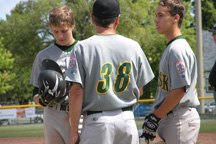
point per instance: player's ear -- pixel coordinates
(73, 26)
(117, 20)
(176, 18)
(92, 19)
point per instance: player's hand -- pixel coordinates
(150, 126)
(46, 97)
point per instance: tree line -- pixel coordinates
(26, 31)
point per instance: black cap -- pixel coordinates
(213, 29)
(51, 65)
(105, 9)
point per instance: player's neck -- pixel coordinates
(101, 30)
(172, 34)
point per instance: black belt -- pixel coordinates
(170, 112)
(130, 108)
(64, 108)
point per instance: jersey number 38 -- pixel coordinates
(122, 78)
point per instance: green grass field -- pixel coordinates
(22, 131)
(206, 126)
(37, 130)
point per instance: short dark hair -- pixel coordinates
(174, 7)
(104, 22)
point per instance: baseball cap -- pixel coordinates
(213, 29)
(105, 9)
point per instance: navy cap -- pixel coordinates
(105, 9)
(213, 29)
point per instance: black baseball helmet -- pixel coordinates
(51, 65)
(51, 81)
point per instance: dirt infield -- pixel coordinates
(203, 138)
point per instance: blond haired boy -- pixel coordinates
(56, 117)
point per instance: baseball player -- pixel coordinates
(56, 116)
(212, 75)
(174, 114)
(108, 72)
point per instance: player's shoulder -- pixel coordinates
(127, 39)
(47, 49)
(106, 39)
(178, 45)
(110, 37)
(177, 42)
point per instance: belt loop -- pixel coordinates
(67, 108)
(54, 107)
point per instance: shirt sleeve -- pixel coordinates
(178, 69)
(75, 71)
(145, 73)
(36, 69)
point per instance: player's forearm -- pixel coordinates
(141, 91)
(170, 102)
(75, 105)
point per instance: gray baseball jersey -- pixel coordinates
(178, 68)
(110, 68)
(54, 53)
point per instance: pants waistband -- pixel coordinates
(130, 108)
(60, 107)
(179, 110)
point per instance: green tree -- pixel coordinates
(208, 14)
(26, 31)
(82, 10)
(6, 70)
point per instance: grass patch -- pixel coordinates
(208, 126)
(37, 130)
(22, 131)
(205, 126)
(139, 125)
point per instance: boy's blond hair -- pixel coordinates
(60, 16)
(174, 7)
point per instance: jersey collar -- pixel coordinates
(106, 34)
(178, 37)
(66, 48)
